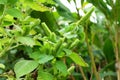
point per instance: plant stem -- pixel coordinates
(91, 73)
(116, 47)
(71, 77)
(14, 46)
(83, 75)
(91, 56)
(117, 52)
(1, 19)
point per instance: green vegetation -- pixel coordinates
(40, 43)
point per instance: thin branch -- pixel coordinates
(91, 56)
(1, 19)
(83, 75)
(117, 52)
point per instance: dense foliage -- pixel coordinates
(44, 40)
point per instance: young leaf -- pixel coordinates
(39, 7)
(76, 58)
(14, 12)
(26, 41)
(86, 17)
(36, 5)
(74, 44)
(71, 69)
(43, 58)
(61, 67)
(59, 44)
(24, 67)
(44, 76)
(46, 29)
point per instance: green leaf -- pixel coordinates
(71, 69)
(26, 41)
(64, 11)
(74, 44)
(58, 45)
(108, 50)
(36, 5)
(14, 12)
(46, 17)
(69, 1)
(24, 67)
(1, 9)
(108, 73)
(110, 66)
(1, 47)
(86, 16)
(42, 1)
(103, 6)
(69, 35)
(3, 1)
(76, 58)
(2, 66)
(44, 76)
(35, 55)
(61, 67)
(8, 18)
(2, 30)
(82, 1)
(43, 58)
(4, 41)
(39, 7)
(12, 1)
(46, 29)
(47, 1)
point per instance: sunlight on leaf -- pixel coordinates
(24, 67)
(43, 58)
(76, 58)
(26, 41)
(14, 12)
(2, 66)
